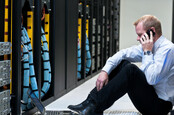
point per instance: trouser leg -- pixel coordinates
(106, 89)
(144, 96)
(130, 79)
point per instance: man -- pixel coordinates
(150, 87)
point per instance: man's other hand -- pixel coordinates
(101, 80)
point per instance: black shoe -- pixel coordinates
(88, 110)
(80, 106)
(87, 107)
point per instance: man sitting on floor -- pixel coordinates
(150, 87)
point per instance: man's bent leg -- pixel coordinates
(132, 80)
(112, 75)
(88, 102)
(115, 89)
(144, 96)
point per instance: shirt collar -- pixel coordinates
(157, 43)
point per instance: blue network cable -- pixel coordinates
(78, 61)
(33, 81)
(46, 65)
(26, 71)
(88, 56)
(29, 69)
(88, 59)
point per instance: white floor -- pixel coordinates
(80, 93)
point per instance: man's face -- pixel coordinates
(139, 30)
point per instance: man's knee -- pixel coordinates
(132, 70)
(115, 71)
(132, 66)
(124, 62)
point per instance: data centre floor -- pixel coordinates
(123, 106)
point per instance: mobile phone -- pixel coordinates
(148, 32)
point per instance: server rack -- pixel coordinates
(49, 26)
(5, 62)
(103, 27)
(37, 42)
(83, 43)
(2, 11)
(16, 42)
(63, 44)
(60, 51)
(110, 28)
(116, 22)
(52, 46)
(96, 6)
(16, 52)
(91, 7)
(71, 16)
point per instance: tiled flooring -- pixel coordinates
(80, 93)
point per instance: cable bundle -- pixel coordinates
(29, 73)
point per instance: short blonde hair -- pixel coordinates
(150, 21)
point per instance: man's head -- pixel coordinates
(148, 22)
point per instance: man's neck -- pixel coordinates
(156, 37)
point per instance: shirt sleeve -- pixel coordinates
(155, 68)
(132, 54)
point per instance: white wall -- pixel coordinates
(131, 10)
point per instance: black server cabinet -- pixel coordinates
(52, 45)
(91, 8)
(100, 48)
(103, 42)
(65, 46)
(116, 24)
(60, 51)
(71, 18)
(83, 39)
(37, 43)
(16, 55)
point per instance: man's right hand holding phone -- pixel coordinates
(147, 42)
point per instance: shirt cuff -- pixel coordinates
(107, 69)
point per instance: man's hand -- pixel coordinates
(101, 80)
(147, 43)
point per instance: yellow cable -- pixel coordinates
(30, 26)
(87, 27)
(80, 30)
(47, 28)
(6, 26)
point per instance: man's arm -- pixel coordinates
(155, 68)
(132, 54)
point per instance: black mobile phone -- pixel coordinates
(148, 32)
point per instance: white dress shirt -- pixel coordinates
(157, 67)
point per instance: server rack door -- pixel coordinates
(16, 55)
(71, 43)
(116, 24)
(52, 44)
(59, 47)
(90, 3)
(37, 43)
(101, 34)
(83, 40)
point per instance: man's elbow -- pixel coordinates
(152, 81)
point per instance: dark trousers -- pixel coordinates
(128, 78)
